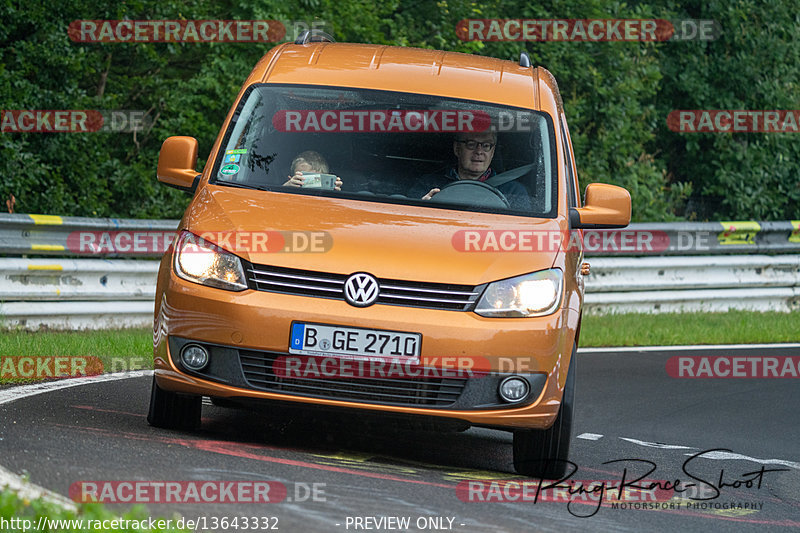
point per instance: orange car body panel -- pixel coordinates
(388, 240)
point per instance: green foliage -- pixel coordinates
(754, 65)
(616, 96)
(17, 508)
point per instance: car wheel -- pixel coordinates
(171, 410)
(543, 453)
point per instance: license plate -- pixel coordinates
(338, 341)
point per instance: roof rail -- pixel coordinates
(524, 59)
(314, 36)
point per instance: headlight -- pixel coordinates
(534, 294)
(202, 262)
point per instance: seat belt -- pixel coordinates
(510, 175)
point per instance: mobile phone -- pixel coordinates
(317, 180)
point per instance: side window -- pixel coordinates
(574, 200)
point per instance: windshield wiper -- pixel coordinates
(241, 185)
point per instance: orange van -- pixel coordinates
(387, 231)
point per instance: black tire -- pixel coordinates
(543, 453)
(171, 410)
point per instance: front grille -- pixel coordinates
(418, 391)
(442, 296)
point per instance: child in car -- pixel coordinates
(309, 161)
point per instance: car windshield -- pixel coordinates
(391, 147)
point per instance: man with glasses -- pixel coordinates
(474, 153)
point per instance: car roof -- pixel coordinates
(403, 69)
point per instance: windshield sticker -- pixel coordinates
(229, 169)
(232, 156)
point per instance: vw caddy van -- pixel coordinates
(382, 231)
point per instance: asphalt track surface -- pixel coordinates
(628, 409)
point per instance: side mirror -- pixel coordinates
(606, 206)
(176, 163)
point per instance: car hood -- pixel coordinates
(390, 241)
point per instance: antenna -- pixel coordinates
(314, 36)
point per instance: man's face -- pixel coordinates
(473, 163)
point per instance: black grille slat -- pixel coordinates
(257, 368)
(319, 383)
(384, 383)
(442, 296)
(388, 286)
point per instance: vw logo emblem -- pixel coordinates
(361, 290)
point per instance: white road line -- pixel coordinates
(589, 436)
(659, 445)
(684, 348)
(23, 391)
(716, 454)
(30, 491)
(720, 455)
(11, 480)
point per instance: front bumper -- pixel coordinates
(246, 332)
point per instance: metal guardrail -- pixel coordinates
(700, 283)
(110, 237)
(76, 293)
(34, 316)
(55, 235)
(104, 293)
(96, 292)
(702, 238)
(77, 279)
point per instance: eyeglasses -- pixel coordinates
(472, 145)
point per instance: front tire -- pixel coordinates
(171, 410)
(543, 453)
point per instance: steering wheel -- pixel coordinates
(471, 192)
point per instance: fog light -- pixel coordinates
(513, 389)
(194, 356)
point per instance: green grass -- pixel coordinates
(117, 350)
(15, 509)
(131, 349)
(670, 329)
